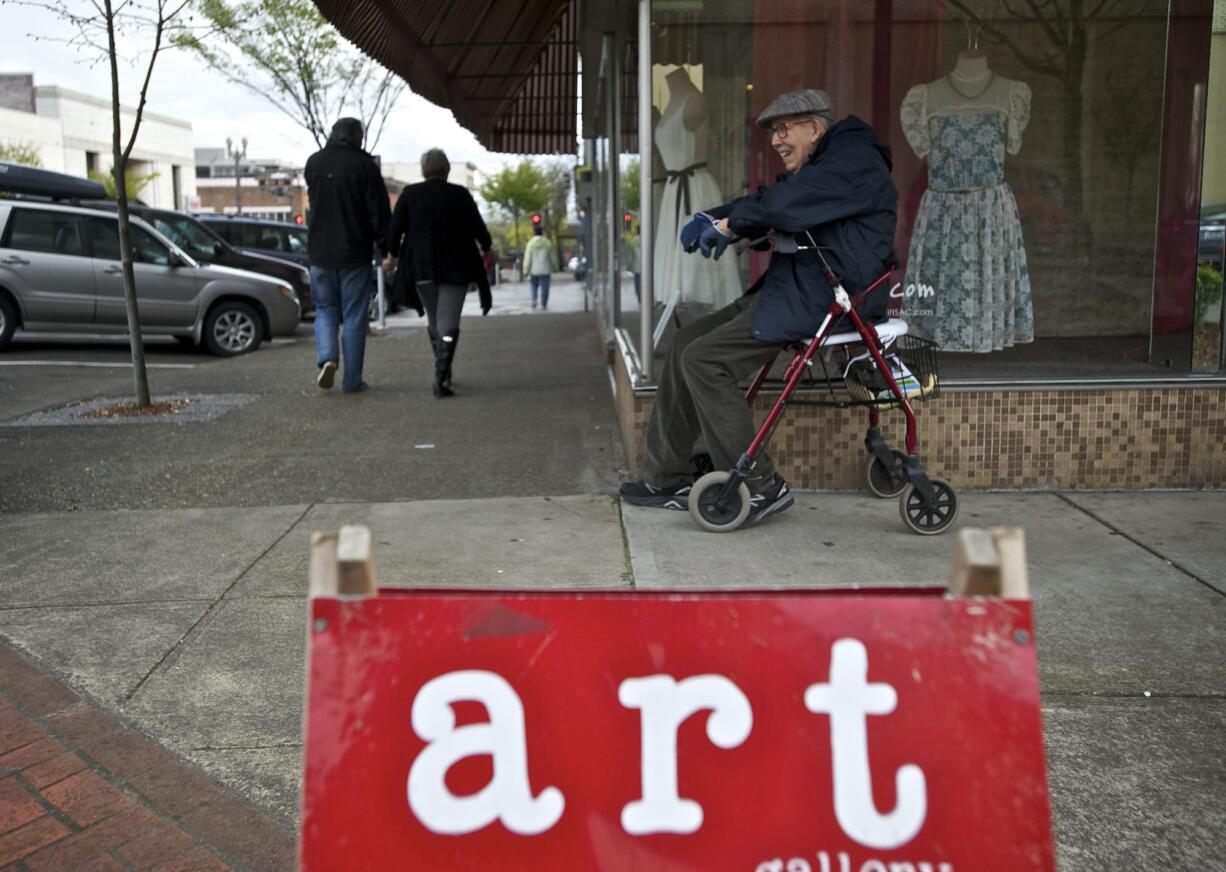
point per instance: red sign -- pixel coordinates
(785, 732)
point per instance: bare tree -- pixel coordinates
(1061, 33)
(286, 52)
(94, 29)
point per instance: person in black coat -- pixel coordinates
(836, 187)
(441, 238)
(349, 218)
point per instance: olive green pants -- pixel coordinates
(699, 393)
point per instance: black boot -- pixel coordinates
(452, 342)
(445, 353)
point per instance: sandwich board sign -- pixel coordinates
(768, 732)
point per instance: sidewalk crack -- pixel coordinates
(627, 558)
(1135, 541)
(168, 659)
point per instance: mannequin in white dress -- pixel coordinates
(681, 138)
(967, 262)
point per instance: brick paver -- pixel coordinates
(79, 790)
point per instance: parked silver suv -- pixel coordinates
(60, 271)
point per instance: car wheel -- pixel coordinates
(8, 321)
(232, 328)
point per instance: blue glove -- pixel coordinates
(692, 230)
(712, 243)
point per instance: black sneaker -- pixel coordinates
(774, 499)
(327, 372)
(640, 493)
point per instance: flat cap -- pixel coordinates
(806, 102)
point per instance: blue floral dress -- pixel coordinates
(967, 285)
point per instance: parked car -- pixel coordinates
(60, 271)
(207, 247)
(278, 239)
(1211, 238)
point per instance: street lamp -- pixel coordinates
(238, 155)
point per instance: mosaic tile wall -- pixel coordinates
(1125, 439)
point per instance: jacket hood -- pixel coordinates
(850, 132)
(346, 131)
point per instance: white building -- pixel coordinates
(72, 134)
(409, 173)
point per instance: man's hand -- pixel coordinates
(714, 240)
(693, 229)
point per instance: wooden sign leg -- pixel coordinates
(990, 563)
(341, 563)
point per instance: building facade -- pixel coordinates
(1060, 216)
(71, 132)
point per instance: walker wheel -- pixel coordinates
(706, 509)
(924, 519)
(887, 483)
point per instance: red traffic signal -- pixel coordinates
(298, 219)
(536, 219)
(629, 219)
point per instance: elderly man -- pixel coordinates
(837, 187)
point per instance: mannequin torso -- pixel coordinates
(683, 97)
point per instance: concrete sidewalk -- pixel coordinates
(161, 569)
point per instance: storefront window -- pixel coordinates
(1027, 155)
(1208, 350)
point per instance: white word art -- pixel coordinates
(507, 797)
(919, 290)
(842, 862)
(847, 699)
(664, 704)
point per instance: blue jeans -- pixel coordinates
(541, 282)
(341, 294)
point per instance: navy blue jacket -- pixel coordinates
(845, 198)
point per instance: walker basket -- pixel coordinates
(913, 362)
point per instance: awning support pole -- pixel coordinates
(613, 198)
(647, 259)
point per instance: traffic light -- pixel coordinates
(298, 219)
(536, 219)
(628, 219)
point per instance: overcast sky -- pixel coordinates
(183, 87)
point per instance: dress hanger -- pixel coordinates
(972, 50)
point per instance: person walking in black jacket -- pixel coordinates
(349, 217)
(836, 187)
(441, 238)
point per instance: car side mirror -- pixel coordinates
(173, 259)
(218, 249)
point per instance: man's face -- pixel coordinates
(795, 138)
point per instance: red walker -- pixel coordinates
(719, 501)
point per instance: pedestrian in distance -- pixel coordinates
(441, 239)
(634, 257)
(541, 262)
(349, 219)
(836, 187)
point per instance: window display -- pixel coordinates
(1042, 261)
(967, 262)
(681, 138)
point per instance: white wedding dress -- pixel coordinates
(688, 188)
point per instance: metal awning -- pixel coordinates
(508, 71)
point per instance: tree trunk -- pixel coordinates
(139, 375)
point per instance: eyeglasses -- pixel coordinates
(781, 128)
